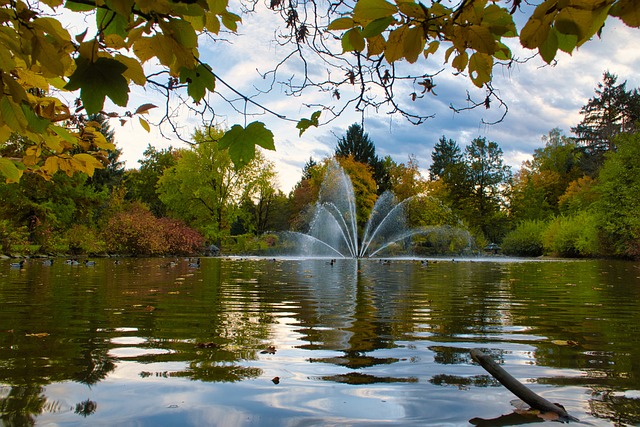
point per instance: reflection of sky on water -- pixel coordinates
(357, 343)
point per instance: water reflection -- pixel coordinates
(356, 341)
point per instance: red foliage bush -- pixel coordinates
(182, 239)
(136, 231)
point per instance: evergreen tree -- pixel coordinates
(113, 173)
(613, 110)
(446, 153)
(357, 144)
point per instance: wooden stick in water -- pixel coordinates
(516, 387)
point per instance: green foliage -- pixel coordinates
(442, 240)
(12, 236)
(82, 239)
(525, 239)
(574, 236)
(205, 189)
(619, 204)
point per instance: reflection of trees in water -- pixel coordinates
(621, 410)
(86, 408)
(21, 405)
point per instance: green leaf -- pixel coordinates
(78, 7)
(376, 27)
(628, 11)
(305, 124)
(572, 20)
(112, 23)
(370, 10)
(241, 142)
(36, 123)
(12, 115)
(481, 39)
(566, 42)
(549, 47)
(181, 31)
(352, 40)
(480, 67)
(97, 80)
(356, 39)
(341, 24)
(9, 170)
(64, 134)
(198, 80)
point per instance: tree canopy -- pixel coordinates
(157, 44)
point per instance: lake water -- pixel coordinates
(294, 342)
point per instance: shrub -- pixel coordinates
(11, 236)
(525, 239)
(180, 238)
(84, 240)
(574, 236)
(135, 231)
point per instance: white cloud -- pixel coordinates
(539, 98)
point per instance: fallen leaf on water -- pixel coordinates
(276, 380)
(38, 335)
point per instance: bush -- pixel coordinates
(84, 240)
(11, 236)
(181, 239)
(525, 239)
(136, 231)
(574, 236)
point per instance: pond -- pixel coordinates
(294, 342)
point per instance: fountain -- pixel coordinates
(334, 230)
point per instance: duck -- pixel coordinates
(48, 262)
(195, 264)
(116, 262)
(72, 261)
(18, 264)
(89, 263)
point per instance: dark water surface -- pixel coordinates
(304, 343)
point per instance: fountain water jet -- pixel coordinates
(333, 230)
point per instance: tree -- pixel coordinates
(405, 180)
(113, 173)
(487, 178)
(445, 155)
(142, 184)
(541, 181)
(205, 189)
(618, 204)
(356, 143)
(40, 57)
(613, 110)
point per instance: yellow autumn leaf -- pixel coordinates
(144, 124)
(394, 48)
(413, 44)
(51, 165)
(460, 61)
(87, 163)
(134, 71)
(341, 24)
(375, 45)
(628, 11)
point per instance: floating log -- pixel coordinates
(516, 387)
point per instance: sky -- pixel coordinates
(539, 98)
